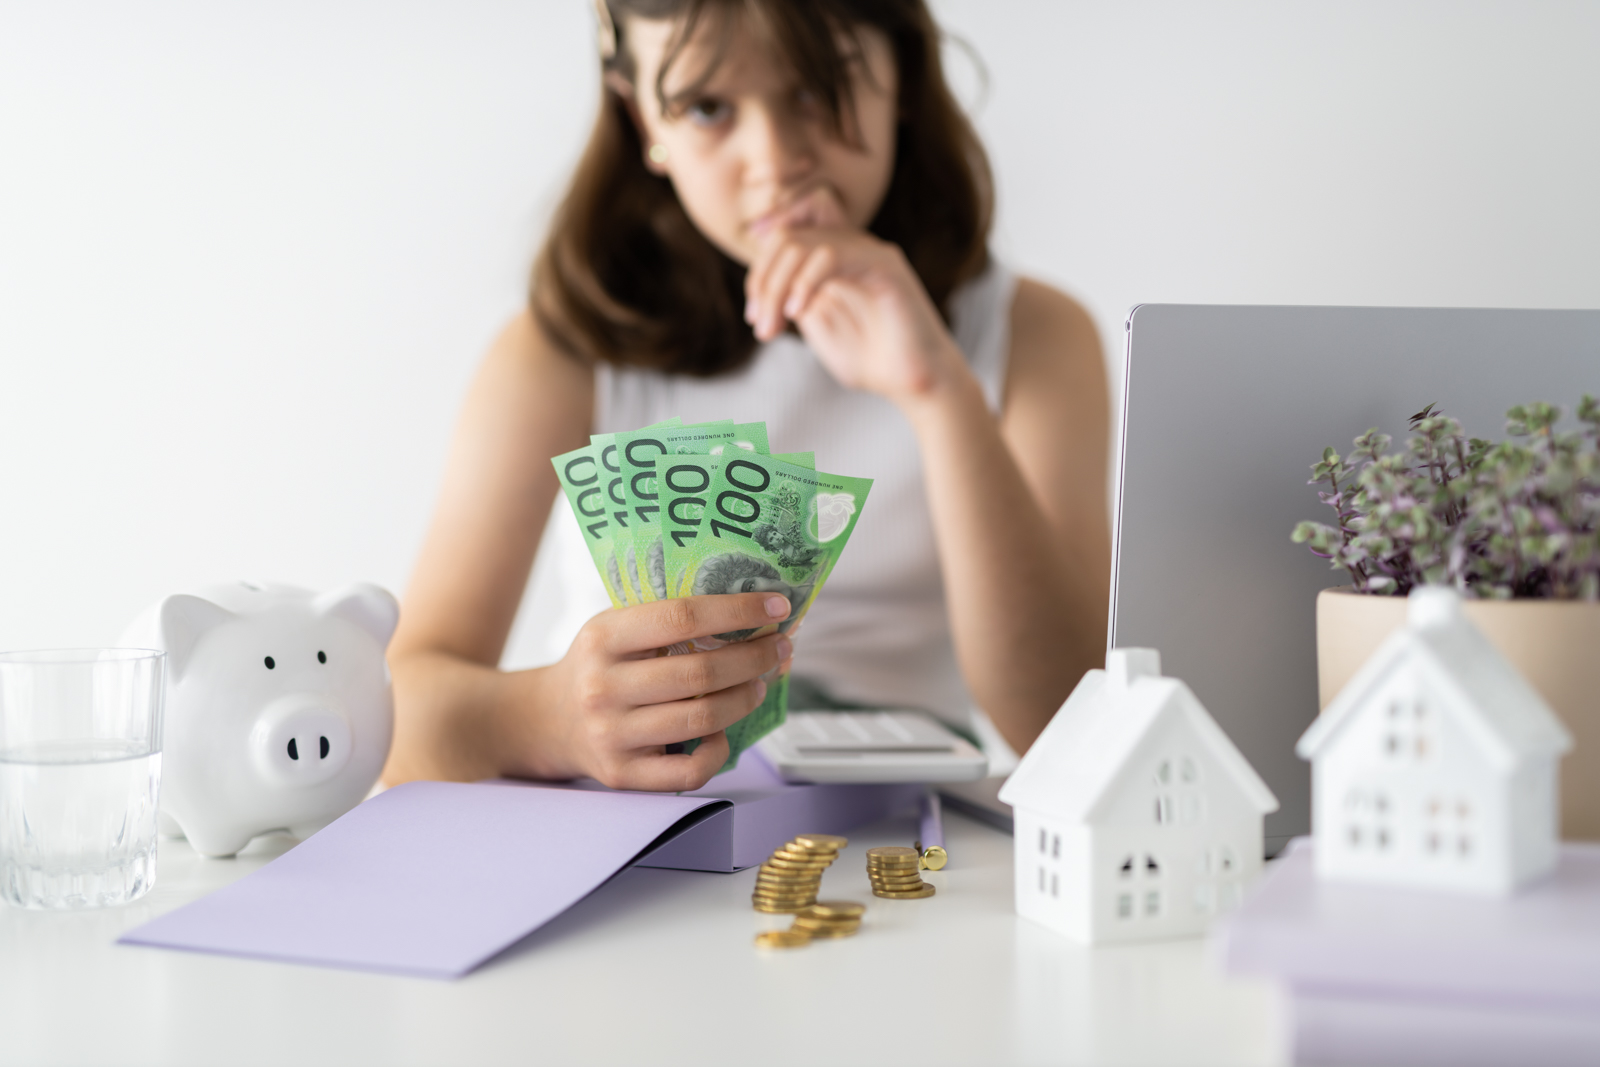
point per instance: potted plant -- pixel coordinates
(1513, 526)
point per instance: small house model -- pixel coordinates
(1436, 765)
(1136, 818)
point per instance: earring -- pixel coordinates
(658, 154)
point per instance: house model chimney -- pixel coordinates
(1432, 606)
(1125, 665)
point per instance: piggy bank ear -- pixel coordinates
(370, 607)
(184, 620)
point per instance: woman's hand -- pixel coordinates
(856, 301)
(621, 703)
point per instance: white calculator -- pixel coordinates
(870, 746)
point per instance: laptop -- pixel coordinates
(1225, 409)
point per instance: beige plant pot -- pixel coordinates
(1555, 644)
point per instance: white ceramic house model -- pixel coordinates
(1436, 765)
(1136, 817)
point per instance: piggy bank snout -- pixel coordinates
(300, 740)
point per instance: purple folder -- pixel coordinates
(1409, 976)
(435, 878)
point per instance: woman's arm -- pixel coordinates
(1019, 510)
(610, 705)
(1019, 502)
(526, 404)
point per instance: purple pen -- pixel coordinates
(931, 842)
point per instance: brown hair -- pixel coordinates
(624, 275)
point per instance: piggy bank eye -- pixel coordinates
(270, 663)
(322, 657)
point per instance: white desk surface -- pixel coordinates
(656, 967)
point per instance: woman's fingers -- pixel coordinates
(658, 773)
(767, 306)
(644, 627)
(817, 268)
(682, 720)
(667, 678)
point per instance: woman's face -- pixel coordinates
(752, 143)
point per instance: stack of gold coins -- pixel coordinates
(830, 918)
(895, 873)
(789, 880)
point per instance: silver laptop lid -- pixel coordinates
(1225, 409)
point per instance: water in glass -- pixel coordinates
(78, 824)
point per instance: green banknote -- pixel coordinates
(637, 454)
(626, 575)
(586, 483)
(751, 523)
(579, 472)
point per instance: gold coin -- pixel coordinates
(783, 939)
(789, 877)
(841, 909)
(773, 889)
(776, 909)
(808, 898)
(892, 865)
(828, 842)
(910, 876)
(935, 858)
(780, 864)
(786, 855)
(897, 852)
(813, 922)
(844, 931)
(895, 894)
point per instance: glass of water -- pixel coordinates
(80, 775)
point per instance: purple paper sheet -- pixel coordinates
(1403, 1032)
(428, 878)
(434, 878)
(766, 812)
(1539, 948)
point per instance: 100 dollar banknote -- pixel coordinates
(587, 484)
(749, 523)
(638, 454)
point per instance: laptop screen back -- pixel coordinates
(1225, 409)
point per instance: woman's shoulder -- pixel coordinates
(1054, 341)
(523, 349)
(1041, 313)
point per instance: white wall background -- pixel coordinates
(250, 252)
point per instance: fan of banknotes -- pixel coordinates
(685, 509)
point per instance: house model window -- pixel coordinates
(1153, 818)
(1436, 765)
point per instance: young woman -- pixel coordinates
(782, 214)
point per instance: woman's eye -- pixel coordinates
(708, 112)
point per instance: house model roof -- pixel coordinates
(1072, 768)
(1495, 704)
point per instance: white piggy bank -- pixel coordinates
(279, 711)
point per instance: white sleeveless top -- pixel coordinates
(878, 634)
